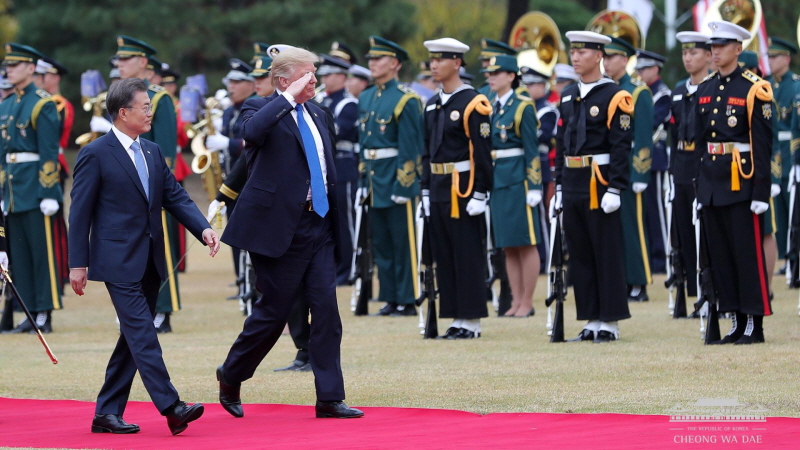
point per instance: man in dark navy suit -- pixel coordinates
(121, 184)
(286, 218)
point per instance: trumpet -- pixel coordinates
(97, 104)
(205, 162)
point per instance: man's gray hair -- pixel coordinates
(121, 93)
(285, 62)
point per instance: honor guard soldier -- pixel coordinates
(332, 73)
(734, 126)
(133, 61)
(594, 144)
(648, 67)
(518, 178)
(489, 48)
(390, 117)
(783, 89)
(637, 260)
(456, 178)
(30, 129)
(685, 157)
(360, 78)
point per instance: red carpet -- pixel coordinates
(66, 424)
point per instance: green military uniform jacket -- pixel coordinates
(642, 118)
(29, 123)
(390, 116)
(796, 125)
(164, 128)
(783, 90)
(516, 126)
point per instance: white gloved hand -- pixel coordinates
(555, 203)
(758, 207)
(224, 101)
(400, 200)
(639, 187)
(610, 202)
(426, 202)
(671, 189)
(774, 189)
(48, 206)
(4, 260)
(361, 194)
(796, 172)
(533, 198)
(477, 204)
(213, 208)
(216, 142)
(217, 118)
(99, 125)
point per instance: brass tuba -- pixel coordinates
(205, 162)
(622, 25)
(537, 39)
(745, 13)
(97, 105)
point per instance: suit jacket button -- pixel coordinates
(302, 203)
(308, 182)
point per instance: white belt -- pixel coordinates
(379, 153)
(345, 146)
(784, 136)
(726, 148)
(21, 157)
(507, 153)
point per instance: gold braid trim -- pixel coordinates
(762, 90)
(622, 100)
(481, 104)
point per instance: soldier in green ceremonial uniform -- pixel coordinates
(134, 59)
(783, 83)
(490, 48)
(391, 140)
(517, 189)
(637, 260)
(29, 130)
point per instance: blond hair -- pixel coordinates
(285, 62)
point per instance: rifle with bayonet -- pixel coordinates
(556, 272)
(361, 269)
(427, 280)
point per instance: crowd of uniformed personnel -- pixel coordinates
(629, 163)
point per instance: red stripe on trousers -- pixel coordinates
(761, 270)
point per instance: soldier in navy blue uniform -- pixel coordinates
(593, 147)
(734, 132)
(456, 177)
(332, 73)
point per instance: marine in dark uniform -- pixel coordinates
(734, 131)
(593, 147)
(456, 177)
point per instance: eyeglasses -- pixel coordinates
(146, 109)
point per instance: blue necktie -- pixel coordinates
(318, 196)
(141, 168)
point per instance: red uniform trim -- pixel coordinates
(760, 262)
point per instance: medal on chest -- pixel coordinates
(454, 115)
(594, 111)
(732, 121)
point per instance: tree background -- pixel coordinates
(199, 36)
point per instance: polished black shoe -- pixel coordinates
(694, 315)
(112, 423)
(386, 310)
(755, 338)
(336, 410)
(404, 310)
(604, 336)
(296, 366)
(180, 414)
(640, 297)
(727, 339)
(26, 326)
(229, 396)
(585, 335)
(164, 326)
(464, 333)
(450, 333)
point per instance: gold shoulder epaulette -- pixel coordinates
(407, 90)
(42, 93)
(156, 88)
(795, 77)
(753, 78)
(524, 102)
(524, 97)
(637, 82)
(709, 76)
(408, 94)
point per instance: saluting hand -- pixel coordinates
(212, 240)
(302, 89)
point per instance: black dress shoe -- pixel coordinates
(181, 413)
(450, 333)
(112, 423)
(640, 297)
(604, 336)
(585, 335)
(386, 310)
(407, 310)
(295, 366)
(728, 339)
(164, 326)
(337, 410)
(26, 326)
(464, 333)
(755, 338)
(229, 396)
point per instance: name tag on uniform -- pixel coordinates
(430, 107)
(677, 98)
(566, 99)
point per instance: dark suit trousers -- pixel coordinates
(307, 268)
(137, 347)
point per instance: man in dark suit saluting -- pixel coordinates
(116, 236)
(286, 218)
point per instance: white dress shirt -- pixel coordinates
(126, 142)
(314, 132)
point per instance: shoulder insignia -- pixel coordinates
(524, 103)
(795, 77)
(407, 174)
(710, 76)
(407, 90)
(49, 174)
(42, 93)
(155, 88)
(37, 109)
(401, 104)
(637, 82)
(642, 162)
(750, 76)
(624, 101)
(776, 165)
(534, 171)
(524, 97)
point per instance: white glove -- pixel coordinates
(48, 206)
(695, 207)
(639, 187)
(555, 203)
(758, 207)
(796, 172)
(610, 202)
(426, 202)
(99, 125)
(213, 208)
(216, 142)
(477, 204)
(224, 101)
(361, 194)
(4, 260)
(670, 189)
(217, 118)
(533, 198)
(400, 200)
(774, 189)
